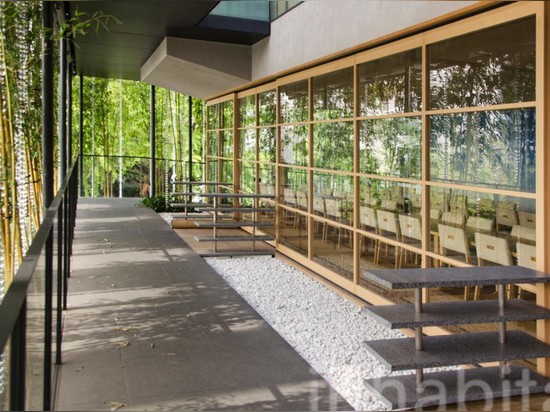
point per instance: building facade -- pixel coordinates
(421, 149)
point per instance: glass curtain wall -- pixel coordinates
(418, 153)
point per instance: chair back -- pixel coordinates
(524, 233)
(527, 219)
(333, 208)
(454, 238)
(527, 255)
(493, 249)
(480, 224)
(319, 205)
(387, 204)
(410, 226)
(289, 196)
(453, 218)
(301, 199)
(368, 217)
(388, 222)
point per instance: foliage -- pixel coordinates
(157, 203)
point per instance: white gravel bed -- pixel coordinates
(327, 330)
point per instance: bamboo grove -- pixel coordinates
(20, 132)
(116, 130)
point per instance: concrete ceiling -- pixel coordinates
(122, 50)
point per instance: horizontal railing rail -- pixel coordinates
(28, 311)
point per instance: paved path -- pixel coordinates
(151, 326)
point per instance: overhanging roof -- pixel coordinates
(120, 51)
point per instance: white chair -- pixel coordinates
(491, 249)
(388, 222)
(528, 234)
(320, 210)
(301, 200)
(480, 224)
(452, 238)
(506, 214)
(453, 218)
(527, 219)
(411, 232)
(367, 217)
(527, 257)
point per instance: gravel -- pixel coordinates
(326, 329)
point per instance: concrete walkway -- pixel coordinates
(151, 326)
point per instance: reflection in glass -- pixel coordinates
(391, 147)
(212, 144)
(492, 66)
(267, 144)
(333, 146)
(227, 171)
(248, 177)
(494, 148)
(248, 181)
(295, 236)
(227, 114)
(248, 144)
(295, 179)
(294, 145)
(267, 177)
(213, 119)
(226, 149)
(333, 249)
(213, 170)
(468, 226)
(247, 111)
(293, 100)
(333, 95)
(392, 84)
(267, 108)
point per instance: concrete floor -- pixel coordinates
(151, 326)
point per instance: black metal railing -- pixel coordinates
(32, 307)
(129, 176)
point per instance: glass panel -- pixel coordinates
(333, 197)
(267, 108)
(227, 114)
(213, 119)
(494, 149)
(467, 226)
(227, 171)
(333, 95)
(212, 144)
(294, 102)
(388, 195)
(294, 145)
(248, 144)
(295, 237)
(248, 181)
(492, 66)
(250, 10)
(392, 84)
(267, 179)
(294, 187)
(213, 170)
(226, 149)
(36, 335)
(333, 248)
(247, 111)
(391, 147)
(333, 146)
(267, 145)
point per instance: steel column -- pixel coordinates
(62, 114)
(18, 349)
(153, 165)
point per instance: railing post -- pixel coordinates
(47, 186)
(63, 164)
(60, 277)
(18, 349)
